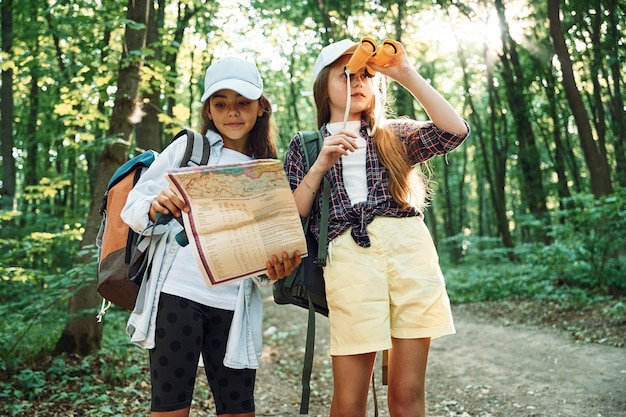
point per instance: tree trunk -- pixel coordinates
(148, 131)
(595, 69)
(559, 148)
(596, 162)
(616, 104)
(30, 140)
(7, 191)
(82, 334)
(494, 154)
(404, 100)
(533, 191)
(170, 57)
(329, 31)
(499, 154)
(431, 222)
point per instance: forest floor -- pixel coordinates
(508, 359)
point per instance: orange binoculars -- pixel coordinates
(368, 52)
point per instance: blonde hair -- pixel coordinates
(408, 185)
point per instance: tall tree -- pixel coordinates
(164, 42)
(30, 129)
(558, 156)
(515, 85)
(82, 335)
(171, 50)
(596, 162)
(404, 102)
(499, 146)
(615, 39)
(7, 189)
(148, 130)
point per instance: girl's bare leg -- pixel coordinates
(351, 377)
(407, 377)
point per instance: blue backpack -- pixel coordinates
(121, 267)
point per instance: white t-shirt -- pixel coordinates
(354, 175)
(187, 282)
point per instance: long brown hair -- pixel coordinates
(261, 138)
(408, 185)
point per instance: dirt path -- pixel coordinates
(484, 370)
(491, 370)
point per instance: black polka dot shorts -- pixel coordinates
(184, 329)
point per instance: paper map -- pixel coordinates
(240, 215)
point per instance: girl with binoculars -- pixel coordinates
(384, 286)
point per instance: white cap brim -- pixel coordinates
(239, 86)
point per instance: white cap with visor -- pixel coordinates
(233, 73)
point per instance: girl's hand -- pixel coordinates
(334, 147)
(397, 67)
(280, 268)
(167, 202)
(438, 109)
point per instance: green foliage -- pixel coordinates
(34, 315)
(589, 249)
(488, 281)
(29, 250)
(584, 262)
(38, 275)
(617, 310)
(39, 253)
(104, 384)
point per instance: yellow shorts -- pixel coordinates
(394, 288)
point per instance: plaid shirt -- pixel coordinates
(422, 141)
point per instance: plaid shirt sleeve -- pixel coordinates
(294, 164)
(422, 141)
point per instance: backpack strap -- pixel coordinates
(197, 152)
(142, 160)
(198, 148)
(322, 248)
(311, 142)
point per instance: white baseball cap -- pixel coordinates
(331, 53)
(233, 73)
